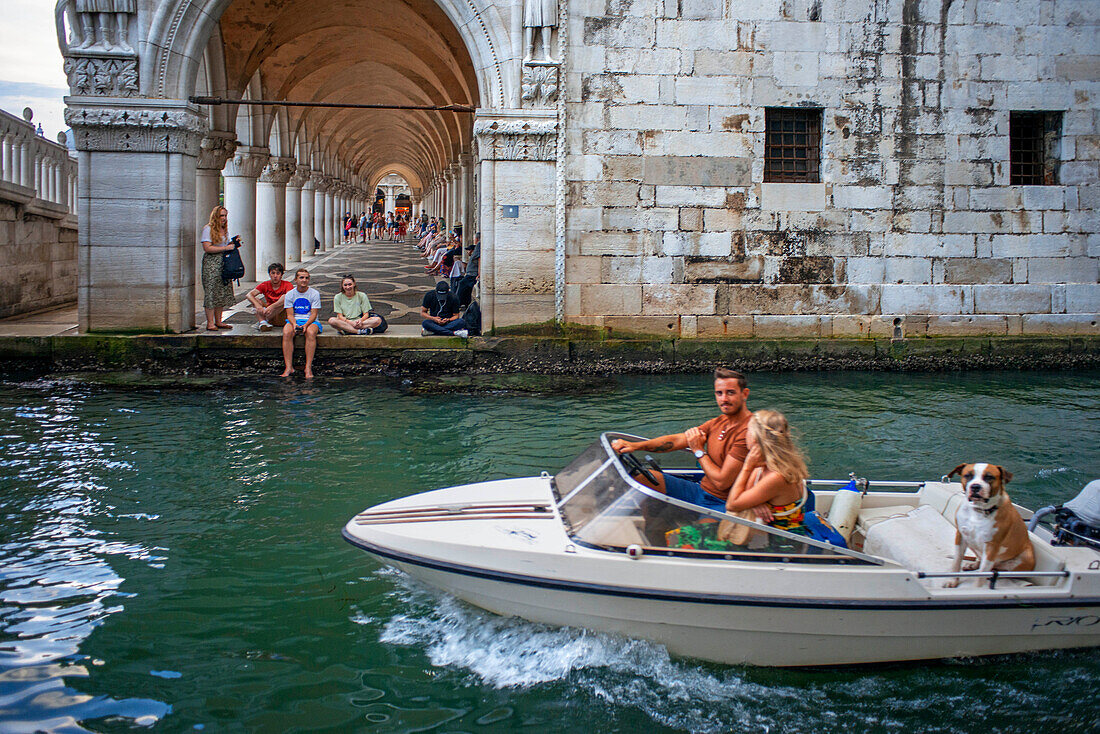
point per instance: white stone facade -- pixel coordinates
(672, 228)
(618, 174)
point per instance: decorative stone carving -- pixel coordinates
(539, 17)
(299, 178)
(539, 85)
(321, 182)
(247, 162)
(95, 25)
(215, 150)
(278, 171)
(102, 76)
(517, 139)
(162, 128)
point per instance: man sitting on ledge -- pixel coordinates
(302, 306)
(440, 312)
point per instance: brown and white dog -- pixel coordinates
(989, 524)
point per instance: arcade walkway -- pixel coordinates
(390, 273)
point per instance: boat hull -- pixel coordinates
(773, 632)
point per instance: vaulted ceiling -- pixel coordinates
(400, 52)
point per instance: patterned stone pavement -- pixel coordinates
(390, 273)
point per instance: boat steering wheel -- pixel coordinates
(634, 466)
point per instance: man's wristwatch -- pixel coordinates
(699, 454)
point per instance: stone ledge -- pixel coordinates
(200, 354)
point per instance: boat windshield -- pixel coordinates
(603, 506)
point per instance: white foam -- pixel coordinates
(513, 653)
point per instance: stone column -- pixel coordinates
(517, 152)
(214, 151)
(465, 196)
(136, 244)
(241, 172)
(330, 209)
(320, 186)
(271, 214)
(292, 248)
(415, 207)
(309, 201)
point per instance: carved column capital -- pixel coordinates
(529, 136)
(247, 162)
(299, 178)
(278, 171)
(151, 126)
(321, 182)
(215, 149)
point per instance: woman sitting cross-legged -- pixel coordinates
(353, 314)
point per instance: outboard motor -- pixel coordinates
(1076, 522)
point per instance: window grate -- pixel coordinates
(1033, 146)
(792, 147)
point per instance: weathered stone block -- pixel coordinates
(982, 270)
(709, 62)
(1065, 324)
(902, 244)
(1083, 298)
(611, 299)
(927, 299)
(908, 270)
(862, 197)
(723, 326)
(635, 218)
(609, 243)
(647, 117)
(1011, 298)
(708, 90)
(723, 270)
(619, 32)
(583, 269)
(1038, 245)
(691, 219)
(709, 244)
(696, 171)
(1062, 270)
(792, 196)
(980, 325)
(706, 196)
(785, 327)
(678, 299)
(1043, 197)
(865, 269)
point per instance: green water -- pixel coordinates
(172, 559)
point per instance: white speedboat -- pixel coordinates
(591, 547)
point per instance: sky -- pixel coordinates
(31, 72)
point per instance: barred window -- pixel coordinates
(792, 145)
(1033, 148)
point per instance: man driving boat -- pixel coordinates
(719, 446)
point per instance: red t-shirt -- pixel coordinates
(725, 437)
(272, 294)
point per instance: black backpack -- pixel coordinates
(472, 317)
(232, 266)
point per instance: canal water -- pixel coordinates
(172, 559)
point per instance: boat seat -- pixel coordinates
(871, 516)
(616, 531)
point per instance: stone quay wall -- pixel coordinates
(913, 225)
(38, 229)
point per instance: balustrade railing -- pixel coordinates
(34, 171)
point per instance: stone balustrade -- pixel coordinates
(38, 237)
(35, 172)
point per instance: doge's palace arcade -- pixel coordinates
(703, 168)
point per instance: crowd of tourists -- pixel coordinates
(294, 306)
(392, 226)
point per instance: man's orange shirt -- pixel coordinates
(725, 437)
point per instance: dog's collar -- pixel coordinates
(993, 506)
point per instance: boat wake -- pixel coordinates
(507, 652)
(620, 672)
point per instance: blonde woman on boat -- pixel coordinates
(774, 473)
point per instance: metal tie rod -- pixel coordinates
(330, 105)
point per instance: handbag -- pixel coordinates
(735, 532)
